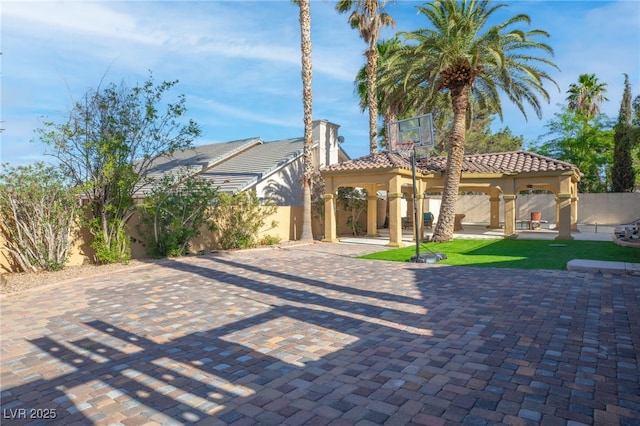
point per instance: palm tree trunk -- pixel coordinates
(305, 46)
(446, 220)
(372, 95)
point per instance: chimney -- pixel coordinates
(326, 135)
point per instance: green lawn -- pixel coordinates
(526, 254)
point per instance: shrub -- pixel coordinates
(354, 202)
(237, 219)
(173, 213)
(38, 211)
(270, 240)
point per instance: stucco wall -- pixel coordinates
(288, 228)
(603, 209)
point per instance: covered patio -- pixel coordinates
(496, 174)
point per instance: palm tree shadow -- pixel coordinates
(288, 190)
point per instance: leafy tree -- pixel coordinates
(307, 98)
(586, 144)
(480, 139)
(236, 219)
(108, 145)
(368, 16)
(622, 173)
(471, 61)
(173, 212)
(635, 138)
(317, 198)
(586, 96)
(354, 202)
(38, 211)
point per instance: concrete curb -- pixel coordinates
(605, 267)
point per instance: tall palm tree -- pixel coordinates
(389, 90)
(397, 98)
(307, 98)
(460, 54)
(368, 17)
(586, 96)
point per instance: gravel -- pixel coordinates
(17, 282)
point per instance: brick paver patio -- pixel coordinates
(309, 335)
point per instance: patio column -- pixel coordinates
(395, 219)
(420, 214)
(574, 213)
(372, 214)
(494, 215)
(564, 208)
(330, 235)
(394, 196)
(509, 215)
(410, 214)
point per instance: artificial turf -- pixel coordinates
(507, 253)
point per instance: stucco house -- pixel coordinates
(272, 169)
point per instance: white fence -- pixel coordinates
(601, 209)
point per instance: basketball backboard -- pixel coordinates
(411, 133)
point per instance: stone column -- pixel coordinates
(410, 213)
(420, 214)
(564, 208)
(494, 215)
(330, 218)
(510, 215)
(574, 213)
(395, 219)
(372, 215)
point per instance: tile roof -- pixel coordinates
(380, 160)
(247, 167)
(498, 162)
(200, 157)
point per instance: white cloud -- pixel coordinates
(238, 62)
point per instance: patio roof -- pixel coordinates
(498, 162)
(501, 175)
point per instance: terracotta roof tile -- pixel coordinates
(498, 162)
(381, 160)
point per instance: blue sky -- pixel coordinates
(238, 62)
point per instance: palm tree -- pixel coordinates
(586, 96)
(368, 17)
(460, 55)
(389, 90)
(397, 98)
(307, 97)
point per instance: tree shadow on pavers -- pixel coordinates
(214, 270)
(227, 373)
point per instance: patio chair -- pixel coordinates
(405, 222)
(427, 219)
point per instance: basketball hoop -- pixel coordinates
(412, 138)
(411, 133)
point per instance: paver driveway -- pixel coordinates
(309, 335)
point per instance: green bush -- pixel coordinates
(270, 240)
(237, 219)
(173, 213)
(38, 210)
(117, 250)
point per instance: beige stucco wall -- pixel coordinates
(288, 220)
(603, 209)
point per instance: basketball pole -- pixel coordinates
(416, 227)
(399, 138)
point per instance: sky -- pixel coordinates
(238, 62)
